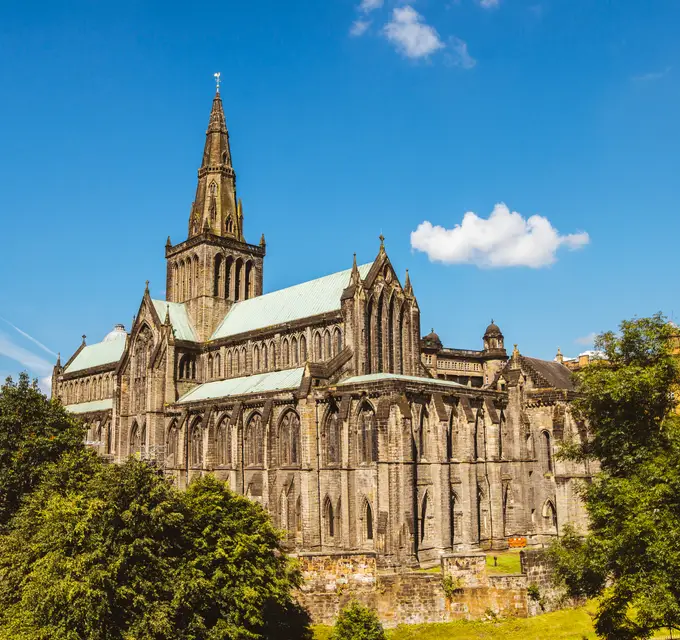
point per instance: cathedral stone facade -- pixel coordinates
(323, 402)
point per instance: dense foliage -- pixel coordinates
(114, 552)
(357, 622)
(631, 556)
(33, 433)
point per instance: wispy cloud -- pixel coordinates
(411, 36)
(489, 4)
(586, 340)
(359, 27)
(370, 5)
(504, 239)
(651, 76)
(29, 337)
(31, 361)
(458, 54)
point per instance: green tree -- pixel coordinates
(357, 622)
(34, 432)
(104, 552)
(631, 555)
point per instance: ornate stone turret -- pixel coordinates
(494, 355)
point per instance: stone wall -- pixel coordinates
(462, 590)
(538, 569)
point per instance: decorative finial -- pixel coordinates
(262, 242)
(217, 80)
(169, 242)
(382, 240)
(146, 289)
(84, 336)
(491, 320)
(59, 359)
(515, 352)
(354, 261)
(167, 314)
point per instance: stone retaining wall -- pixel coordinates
(332, 581)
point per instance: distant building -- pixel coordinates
(323, 403)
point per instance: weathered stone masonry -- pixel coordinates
(323, 403)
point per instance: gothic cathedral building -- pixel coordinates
(322, 401)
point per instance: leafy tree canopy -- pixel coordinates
(631, 556)
(33, 433)
(118, 553)
(357, 622)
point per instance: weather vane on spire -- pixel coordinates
(217, 80)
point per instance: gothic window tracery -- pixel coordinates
(289, 439)
(196, 444)
(187, 367)
(223, 442)
(254, 440)
(172, 446)
(368, 434)
(333, 433)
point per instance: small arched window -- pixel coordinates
(423, 518)
(218, 366)
(329, 517)
(172, 447)
(547, 450)
(328, 347)
(333, 433)
(317, 355)
(337, 341)
(196, 445)
(289, 439)
(303, 349)
(265, 358)
(423, 443)
(368, 434)
(368, 520)
(254, 440)
(285, 353)
(256, 358)
(294, 350)
(223, 442)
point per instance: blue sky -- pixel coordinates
(347, 119)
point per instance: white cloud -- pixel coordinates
(411, 36)
(35, 364)
(359, 27)
(459, 55)
(370, 5)
(586, 340)
(654, 75)
(505, 239)
(489, 4)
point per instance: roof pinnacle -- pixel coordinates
(84, 336)
(217, 80)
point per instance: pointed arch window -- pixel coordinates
(333, 434)
(135, 440)
(172, 447)
(294, 350)
(547, 451)
(238, 279)
(423, 443)
(265, 358)
(303, 349)
(285, 353)
(390, 335)
(218, 365)
(329, 518)
(368, 435)
(228, 269)
(289, 439)
(368, 520)
(218, 276)
(230, 364)
(249, 280)
(229, 225)
(223, 442)
(254, 441)
(272, 355)
(196, 444)
(256, 358)
(337, 341)
(368, 331)
(423, 518)
(317, 355)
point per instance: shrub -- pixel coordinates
(357, 622)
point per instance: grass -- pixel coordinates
(508, 561)
(568, 624)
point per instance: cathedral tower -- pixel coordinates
(215, 266)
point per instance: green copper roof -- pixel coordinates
(100, 353)
(86, 407)
(377, 377)
(260, 383)
(179, 318)
(285, 305)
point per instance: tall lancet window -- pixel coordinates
(212, 194)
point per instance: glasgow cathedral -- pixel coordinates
(324, 403)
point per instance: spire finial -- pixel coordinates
(515, 352)
(491, 320)
(408, 289)
(167, 314)
(382, 240)
(84, 336)
(262, 241)
(217, 80)
(146, 288)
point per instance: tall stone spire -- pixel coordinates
(215, 208)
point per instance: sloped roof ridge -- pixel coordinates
(302, 300)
